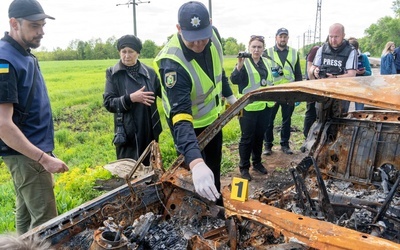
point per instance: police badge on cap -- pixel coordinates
(194, 21)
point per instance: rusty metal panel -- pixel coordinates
(378, 91)
(313, 233)
(354, 149)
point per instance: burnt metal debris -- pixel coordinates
(344, 194)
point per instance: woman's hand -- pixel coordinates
(240, 63)
(141, 96)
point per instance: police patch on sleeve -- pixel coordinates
(170, 79)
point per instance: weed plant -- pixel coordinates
(84, 131)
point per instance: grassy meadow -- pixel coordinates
(84, 131)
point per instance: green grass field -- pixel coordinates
(84, 130)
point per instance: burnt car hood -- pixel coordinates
(172, 193)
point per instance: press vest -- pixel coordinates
(204, 108)
(38, 127)
(255, 83)
(288, 71)
(336, 58)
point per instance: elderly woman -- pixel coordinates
(250, 74)
(130, 93)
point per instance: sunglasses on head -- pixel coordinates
(257, 37)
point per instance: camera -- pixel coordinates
(324, 69)
(244, 55)
(277, 71)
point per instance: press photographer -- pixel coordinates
(336, 58)
(336, 51)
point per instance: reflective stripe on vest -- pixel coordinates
(288, 74)
(205, 110)
(255, 83)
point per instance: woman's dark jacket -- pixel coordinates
(141, 122)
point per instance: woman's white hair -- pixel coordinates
(8, 241)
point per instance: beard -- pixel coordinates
(33, 43)
(282, 44)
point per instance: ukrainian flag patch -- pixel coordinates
(4, 68)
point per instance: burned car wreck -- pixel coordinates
(344, 194)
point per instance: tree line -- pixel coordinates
(96, 49)
(374, 39)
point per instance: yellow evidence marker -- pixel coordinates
(240, 189)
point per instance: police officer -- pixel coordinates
(251, 74)
(286, 68)
(190, 68)
(335, 59)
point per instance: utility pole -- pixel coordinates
(317, 30)
(210, 8)
(134, 3)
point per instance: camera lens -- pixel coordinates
(244, 55)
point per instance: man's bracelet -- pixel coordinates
(41, 156)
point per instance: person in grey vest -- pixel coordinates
(336, 58)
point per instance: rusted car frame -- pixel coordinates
(348, 147)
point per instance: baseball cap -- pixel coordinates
(27, 9)
(194, 20)
(282, 31)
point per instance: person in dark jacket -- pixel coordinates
(396, 54)
(250, 74)
(286, 68)
(130, 93)
(190, 68)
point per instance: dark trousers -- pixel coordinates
(35, 202)
(253, 125)
(286, 111)
(310, 117)
(212, 156)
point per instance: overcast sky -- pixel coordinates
(87, 19)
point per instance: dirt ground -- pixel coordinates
(277, 164)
